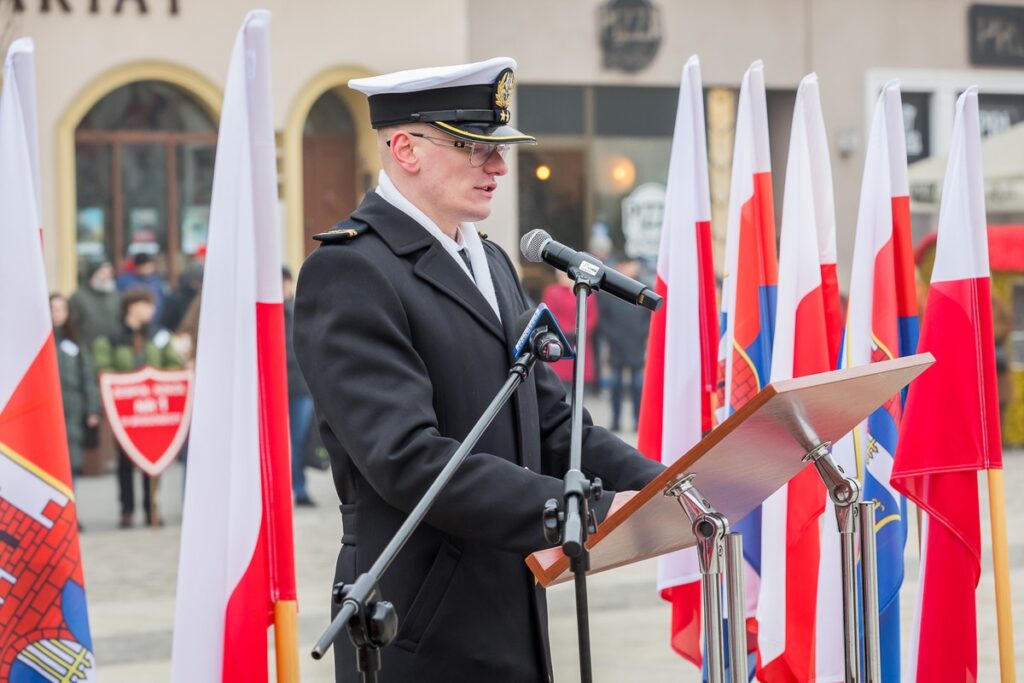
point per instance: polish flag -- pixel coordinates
(749, 290)
(807, 335)
(950, 424)
(44, 624)
(875, 319)
(237, 558)
(679, 377)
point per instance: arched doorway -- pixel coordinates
(328, 165)
(340, 111)
(144, 156)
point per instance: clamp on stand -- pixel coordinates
(853, 517)
(718, 552)
(371, 629)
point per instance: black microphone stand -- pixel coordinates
(573, 520)
(372, 622)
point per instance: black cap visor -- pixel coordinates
(483, 132)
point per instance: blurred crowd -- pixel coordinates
(122, 321)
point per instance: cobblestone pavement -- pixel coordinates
(131, 576)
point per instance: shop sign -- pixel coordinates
(630, 34)
(995, 34)
(149, 412)
(94, 6)
(916, 125)
(997, 113)
(642, 212)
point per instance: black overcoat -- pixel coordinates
(402, 354)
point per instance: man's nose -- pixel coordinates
(495, 164)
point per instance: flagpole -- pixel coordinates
(1004, 613)
(286, 642)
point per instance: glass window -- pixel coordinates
(144, 176)
(551, 197)
(195, 187)
(550, 109)
(624, 111)
(916, 122)
(144, 185)
(148, 105)
(620, 169)
(94, 183)
(998, 112)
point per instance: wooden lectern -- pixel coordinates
(743, 461)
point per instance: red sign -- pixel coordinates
(149, 413)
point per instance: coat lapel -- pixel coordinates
(438, 268)
(406, 237)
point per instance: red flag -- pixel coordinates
(679, 375)
(807, 331)
(237, 556)
(43, 621)
(950, 427)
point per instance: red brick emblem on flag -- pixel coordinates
(42, 621)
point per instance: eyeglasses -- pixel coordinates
(479, 152)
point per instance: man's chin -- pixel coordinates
(477, 214)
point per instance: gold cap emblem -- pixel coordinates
(503, 89)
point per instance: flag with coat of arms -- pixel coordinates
(44, 623)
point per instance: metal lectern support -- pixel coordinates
(738, 672)
(712, 529)
(846, 494)
(869, 593)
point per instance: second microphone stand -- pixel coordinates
(371, 621)
(572, 521)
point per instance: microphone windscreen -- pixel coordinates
(532, 245)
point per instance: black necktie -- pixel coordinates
(464, 253)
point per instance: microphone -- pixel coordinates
(537, 246)
(541, 336)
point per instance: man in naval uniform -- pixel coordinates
(404, 327)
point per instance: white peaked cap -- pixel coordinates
(430, 78)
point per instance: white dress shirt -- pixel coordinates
(466, 238)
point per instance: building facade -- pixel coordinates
(129, 93)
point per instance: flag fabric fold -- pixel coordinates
(679, 374)
(749, 292)
(878, 317)
(807, 333)
(237, 557)
(44, 624)
(946, 437)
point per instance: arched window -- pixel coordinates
(144, 175)
(328, 165)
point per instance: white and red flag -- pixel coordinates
(237, 558)
(950, 426)
(807, 335)
(679, 377)
(881, 312)
(749, 291)
(44, 625)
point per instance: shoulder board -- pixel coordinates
(342, 233)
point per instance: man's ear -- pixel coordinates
(403, 152)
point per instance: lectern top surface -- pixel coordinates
(741, 462)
